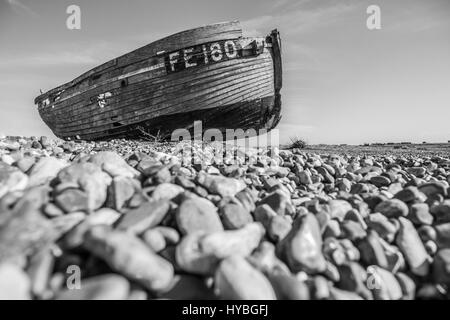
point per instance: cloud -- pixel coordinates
(287, 131)
(296, 127)
(298, 17)
(20, 8)
(48, 59)
(417, 22)
(70, 55)
(279, 3)
(300, 56)
(288, 5)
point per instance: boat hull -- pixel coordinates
(210, 74)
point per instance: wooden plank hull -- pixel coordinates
(210, 74)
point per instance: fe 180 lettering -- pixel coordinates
(202, 55)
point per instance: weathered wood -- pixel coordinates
(211, 102)
(233, 98)
(219, 118)
(158, 84)
(211, 73)
(276, 45)
(156, 75)
(127, 103)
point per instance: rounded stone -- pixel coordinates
(392, 208)
(197, 214)
(235, 216)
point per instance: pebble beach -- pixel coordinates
(134, 220)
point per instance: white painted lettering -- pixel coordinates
(173, 58)
(187, 57)
(205, 53)
(227, 46)
(216, 52)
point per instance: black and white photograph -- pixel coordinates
(202, 151)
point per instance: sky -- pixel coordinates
(342, 83)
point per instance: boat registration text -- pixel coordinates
(203, 54)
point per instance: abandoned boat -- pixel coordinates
(211, 74)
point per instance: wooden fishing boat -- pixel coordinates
(211, 74)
